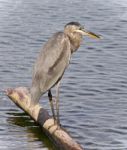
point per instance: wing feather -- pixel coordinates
(52, 62)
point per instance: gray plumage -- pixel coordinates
(50, 65)
(54, 59)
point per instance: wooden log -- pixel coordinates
(59, 136)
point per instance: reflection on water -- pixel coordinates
(32, 131)
(94, 87)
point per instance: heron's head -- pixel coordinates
(75, 27)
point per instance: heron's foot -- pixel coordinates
(57, 123)
(59, 126)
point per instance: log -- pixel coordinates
(59, 136)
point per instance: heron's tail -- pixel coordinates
(35, 93)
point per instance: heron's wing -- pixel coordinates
(52, 61)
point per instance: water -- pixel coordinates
(93, 98)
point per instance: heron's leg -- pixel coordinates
(57, 102)
(51, 104)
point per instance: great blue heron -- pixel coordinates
(52, 61)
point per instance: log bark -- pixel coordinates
(59, 136)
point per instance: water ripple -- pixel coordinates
(93, 97)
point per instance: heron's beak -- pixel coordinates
(91, 34)
(88, 33)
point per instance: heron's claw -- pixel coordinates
(57, 123)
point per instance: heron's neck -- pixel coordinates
(75, 41)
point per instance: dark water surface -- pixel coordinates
(93, 98)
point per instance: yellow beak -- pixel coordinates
(90, 34)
